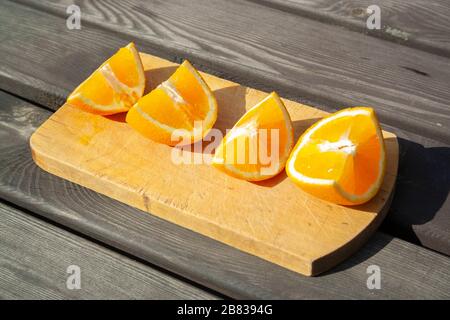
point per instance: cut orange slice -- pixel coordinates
(114, 87)
(181, 110)
(341, 158)
(257, 147)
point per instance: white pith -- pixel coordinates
(152, 120)
(343, 145)
(115, 84)
(197, 132)
(249, 129)
(237, 130)
(172, 92)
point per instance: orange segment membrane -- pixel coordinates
(257, 147)
(184, 103)
(341, 158)
(114, 87)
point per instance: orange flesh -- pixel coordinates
(176, 104)
(114, 87)
(158, 105)
(123, 64)
(248, 146)
(192, 92)
(355, 170)
(97, 89)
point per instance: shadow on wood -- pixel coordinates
(154, 77)
(226, 117)
(299, 126)
(119, 117)
(422, 196)
(361, 256)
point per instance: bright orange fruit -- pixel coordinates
(341, 158)
(257, 147)
(181, 108)
(114, 87)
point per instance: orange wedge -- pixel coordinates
(341, 158)
(181, 110)
(114, 87)
(257, 147)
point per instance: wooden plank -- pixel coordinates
(335, 67)
(35, 256)
(222, 268)
(39, 74)
(273, 219)
(420, 209)
(421, 24)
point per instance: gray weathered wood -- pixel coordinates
(421, 209)
(422, 24)
(303, 59)
(408, 271)
(35, 255)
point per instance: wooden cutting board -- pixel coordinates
(274, 220)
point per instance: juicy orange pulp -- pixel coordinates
(181, 109)
(257, 147)
(341, 158)
(114, 87)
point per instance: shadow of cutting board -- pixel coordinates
(274, 220)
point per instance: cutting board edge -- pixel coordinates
(323, 263)
(308, 257)
(296, 263)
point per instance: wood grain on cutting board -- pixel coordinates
(274, 220)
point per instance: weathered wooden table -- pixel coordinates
(316, 52)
